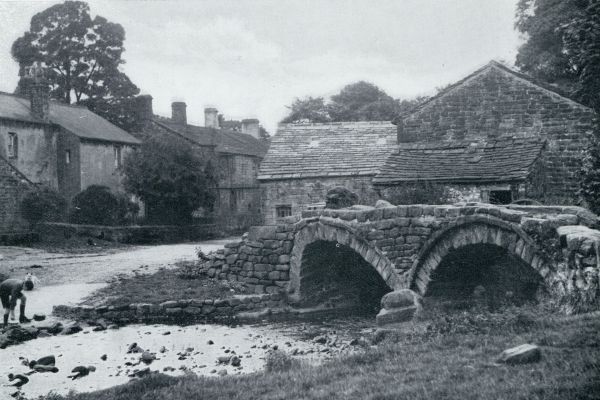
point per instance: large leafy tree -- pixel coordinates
(82, 58)
(171, 177)
(359, 101)
(309, 109)
(562, 45)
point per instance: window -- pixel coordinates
(500, 196)
(244, 168)
(13, 145)
(118, 157)
(68, 157)
(283, 211)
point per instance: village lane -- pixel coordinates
(68, 278)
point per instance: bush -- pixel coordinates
(97, 205)
(340, 197)
(43, 204)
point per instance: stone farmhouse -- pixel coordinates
(62, 146)
(237, 155)
(495, 136)
(307, 160)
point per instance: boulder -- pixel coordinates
(54, 328)
(235, 361)
(39, 317)
(71, 329)
(396, 315)
(147, 357)
(400, 298)
(523, 354)
(224, 359)
(383, 204)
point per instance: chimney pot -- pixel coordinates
(251, 127)
(178, 113)
(211, 118)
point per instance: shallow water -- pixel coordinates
(251, 343)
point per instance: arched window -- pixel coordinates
(13, 145)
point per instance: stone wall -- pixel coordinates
(190, 310)
(299, 193)
(494, 102)
(131, 234)
(13, 186)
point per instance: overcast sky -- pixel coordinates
(250, 59)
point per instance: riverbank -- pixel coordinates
(448, 356)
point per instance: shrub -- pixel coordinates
(340, 197)
(43, 204)
(97, 205)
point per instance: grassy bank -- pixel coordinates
(163, 285)
(446, 356)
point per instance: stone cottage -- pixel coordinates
(305, 161)
(236, 154)
(495, 136)
(63, 146)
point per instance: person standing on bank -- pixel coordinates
(10, 291)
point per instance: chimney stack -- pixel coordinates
(178, 113)
(143, 111)
(211, 118)
(251, 127)
(39, 92)
(402, 135)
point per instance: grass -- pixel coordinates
(163, 285)
(443, 356)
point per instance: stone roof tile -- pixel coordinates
(328, 150)
(498, 160)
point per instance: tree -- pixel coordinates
(309, 109)
(360, 101)
(582, 44)
(563, 45)
(171, 177)
(81, 57)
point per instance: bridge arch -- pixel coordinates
(474, 230)
(340, 234)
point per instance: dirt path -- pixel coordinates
(61, 269)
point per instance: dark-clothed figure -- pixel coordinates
(10, 291)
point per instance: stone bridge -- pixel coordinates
(405, 245)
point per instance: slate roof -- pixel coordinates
(500, 160)
(226, 141)
(76, 119)
(328, 150)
